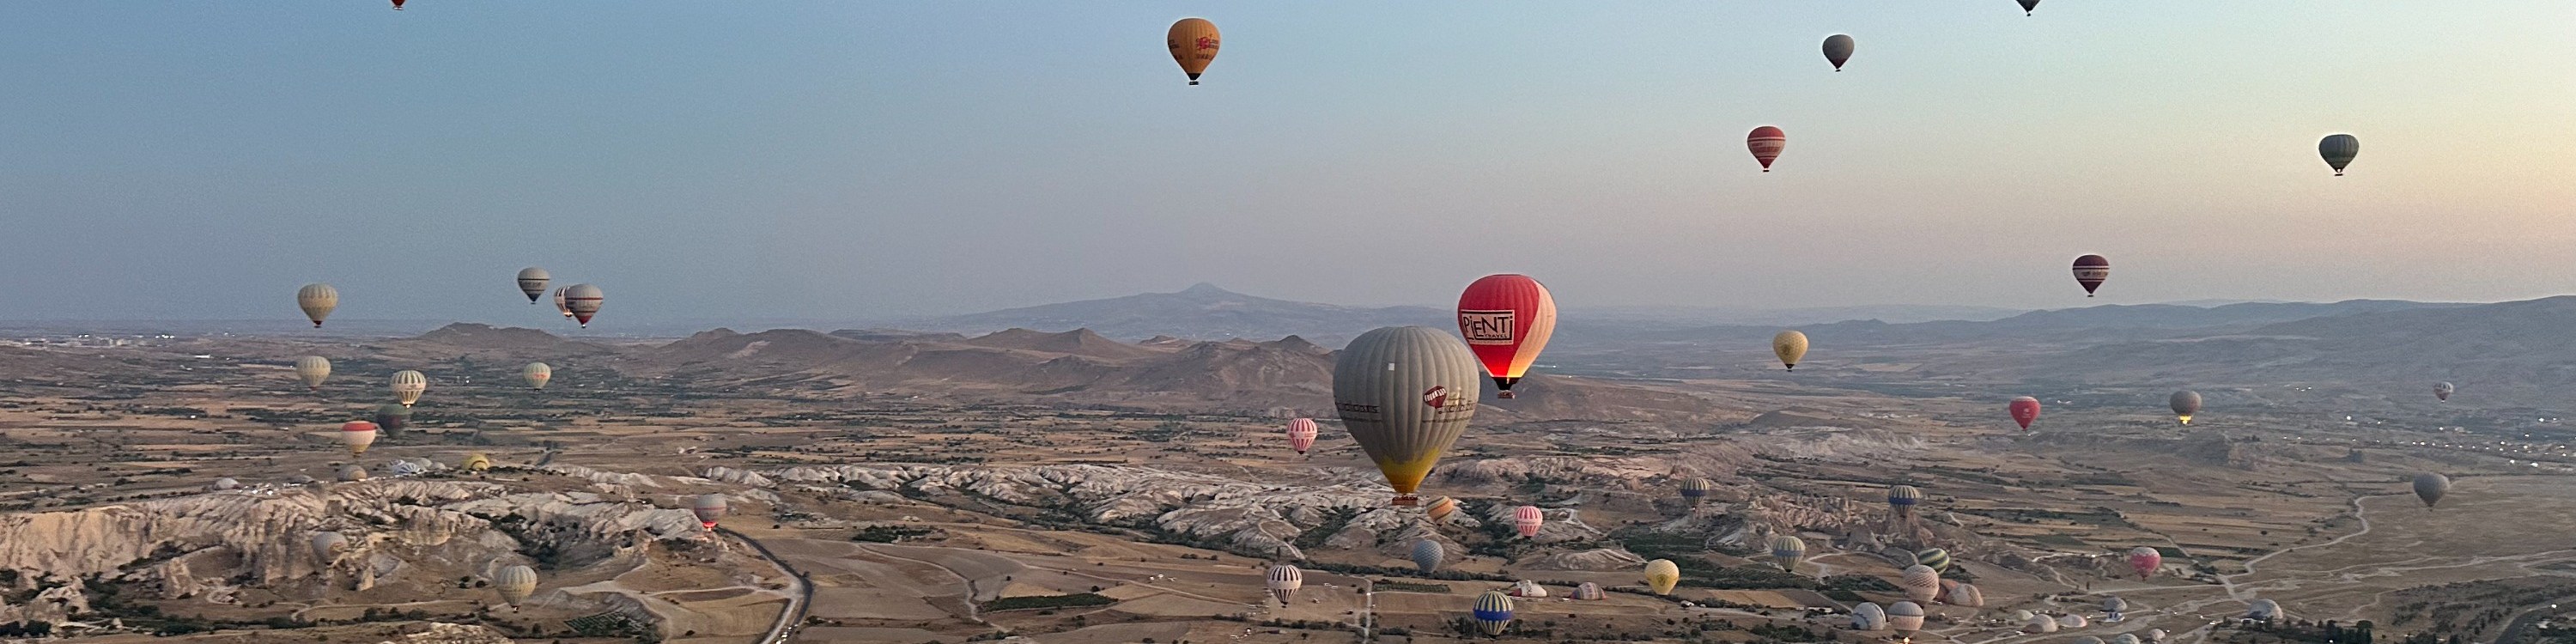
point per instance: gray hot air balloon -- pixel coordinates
(2112, 607)
(532, 282)
(1405, 394)
(515, 583)
(2430, 487)
(708, 508)
(407, 385)
(537, 374)
(1868, 617)
(1838, 48)
(327, 545)
(2029, 6)
(2184, 403)
(1427, 555)
(2263, 610)
(2339, 149)
(2442, 391)
(1905, 618)
(313, 369)
(583, 301)
(317, 300)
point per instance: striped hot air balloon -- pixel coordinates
(352, 474)
(1902, 498)
(2024, 410)
(562, 306)
(2145, 561)
(1427, 555)
(1766, 142)
(2091, 271)
(1283, 580)
(1788, 551)
(317, 300)
(312, 370)
(1868, 617)
(1405, 394)
(1589, 591)
(1507, 320)
(1526, 520)
(532, 282)
(583, 301)
(1905, 618)
(407, 386)
(1439, 509)
(1921, 583)
(1301, 435)
(1935, 558)
(1662, 575)
(1493, 612)
(2338, 150)
(476, 463)
(1695, 488)
(515, 584)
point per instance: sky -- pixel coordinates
(870, 160)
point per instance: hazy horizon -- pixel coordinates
(874, 162)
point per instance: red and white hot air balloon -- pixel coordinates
(2145, 560)
(1301, 435)
(1766, 143)
(1506, 319)
(2024, 410)
(1526, 520)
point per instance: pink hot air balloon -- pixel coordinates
(2145, 560)
(1301, 435)
(1526, 520)
(1766, 143)
(2024, 410)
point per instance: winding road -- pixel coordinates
(797, 603)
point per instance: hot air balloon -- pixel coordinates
(1902, 499)
(708, 508)
(560, 305)
(515, 584)
(583, 300)
(1695, 488)
(2024, 410)
(2339, 149)
(2028, 6)
(2430, 487)
(2112, 607)
(2091, 271)
(476, 463)
(317, 300)
(1868, 617)
(1964, 595)
(2073, 621)
(1493, 612)
(1838, 48)
(1766, 142)
(2145, 561)
(352, 474)
(2088, 639)
(312, 369)
(1405, 394)
(357, 434)
(327, 545)
(2155, 635)
(1506, 319)
(532, 282)
(222, 484)
(1788, 551)
(2263, 610)
(407, 385)
(1905, 618)
(2442, 391)
(1283, 580)
(1661, 575)
(2039, 624)
(1791, 346)
(392, 416)
(1193, 42)
(1439, 509)
(2185, 403)
(1935, 558)
(537, 374)
(1921, 583)
(2021, 615)
(1527, 588)
(1526, 520)
(2124, 638)
(1301, 435)
(1589, 591)
(1427, 555)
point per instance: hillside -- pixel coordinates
(1200, 312)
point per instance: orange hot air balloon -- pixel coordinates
(1766, 143)
(1507, 319)
(1193, 42)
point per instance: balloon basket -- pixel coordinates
(1405, 501)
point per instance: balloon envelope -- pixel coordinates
(353, 474)
(407, 386)
(1193, 42)
(1766, 142)
(317, 300)
(1935, 558)
(583, 301)
(560, 305)
(2028, 6)
(1788, 551)
(2338, 150)
(1661, 575)
(2185, 404)
(1526, 520)
(1838, 48)
(1427, 555)
(2145, 560)
(1493, 612)
(392, 416)
(515, 583)
(312, 370)
(2442, 391)
(1589, 591)
(2091, 271)
(2024, 410)
(537, 373)
(1790, 346)
(708, 508)
(357, 435)
(1905, 618)
(1282, 581)
(1921, 583)
(1869, 617)
(327, 545)
(1405, 394)
(1301, 434)
(1903, 497)
(1440, 508)
(532, 283)
(1696, 488)
(2430, 487)
(1507, 320)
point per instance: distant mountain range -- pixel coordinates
(1202, 312)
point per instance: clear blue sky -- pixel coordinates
(865, 159)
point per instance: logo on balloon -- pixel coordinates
(1486, 327)
(1435, 396)
(1206, 42)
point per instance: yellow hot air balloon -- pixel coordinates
(1661, 575)
(1791, 346)
(476, 463)
(1193, 43)
(407, 386)
(313, 369)
(1405, 394)
(317, 300)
